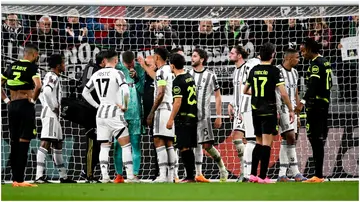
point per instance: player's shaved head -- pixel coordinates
(31, 52)
(290, 51)
(291, 57)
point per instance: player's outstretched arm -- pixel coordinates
(4, 97)
(285, 98)
(175, 110)
(218, 106)
(146, 67)
(38, 85)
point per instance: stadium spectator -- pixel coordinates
(237, 32)
(119, 37)
(159, 33)
(207, 36)
(321, 33)
(291, 33)
(11, 37)
(44, 36)
(73, 30)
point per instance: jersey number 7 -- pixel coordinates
(100, 86)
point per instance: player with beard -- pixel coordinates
(206, 83)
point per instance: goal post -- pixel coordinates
(215, 29)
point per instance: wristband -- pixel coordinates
(6, 100)
(303, 101)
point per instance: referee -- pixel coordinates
(92, 145)
(184, 113)
(317, 100)
(23, 79)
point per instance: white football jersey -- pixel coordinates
(242, 102)
(53, 81)
(291, 79)
(107, 83)
(164, 76)
(206, 83)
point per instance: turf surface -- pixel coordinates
(211, 191)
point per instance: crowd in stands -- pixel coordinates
(55, 33)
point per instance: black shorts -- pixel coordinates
(316, 122)
(186, 135)
(22, 120)
(266, 124)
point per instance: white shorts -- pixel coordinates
(51, 128)
(108, 128)
(245, 125)
(285, 125)
(160, 120)
(204, 131)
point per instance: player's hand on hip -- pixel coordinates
(217, 123)
(292, 117)
(231, 111)
(56, 111)
(149, 119)
(170, 124)
(124, 109)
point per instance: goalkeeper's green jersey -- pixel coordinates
(136, 87)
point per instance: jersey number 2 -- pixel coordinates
(100, 82)
(192, 92)
(264, 80)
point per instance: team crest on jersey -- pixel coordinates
(315, 69)
(177, 90)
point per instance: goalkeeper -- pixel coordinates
(135, 77)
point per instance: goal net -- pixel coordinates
(215, 29)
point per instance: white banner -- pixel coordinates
(350, 48)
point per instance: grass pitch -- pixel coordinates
(191, 191)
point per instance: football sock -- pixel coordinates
(255, 159)
(265, 159)
(40, 162)
(240, 147)
(104, 160)
(318, 153)
(176, 169)
(292, 158)
(127, 160)
(284, 160)
(171, 160)
(118, 161)
(136, 152)
(22, 160)
(188, 159)
(162, 160)
(58, 159)
(249, 147)
(198, 159)
(214, 153)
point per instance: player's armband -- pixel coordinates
(161, 83)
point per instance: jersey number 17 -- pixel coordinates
(103, 89)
